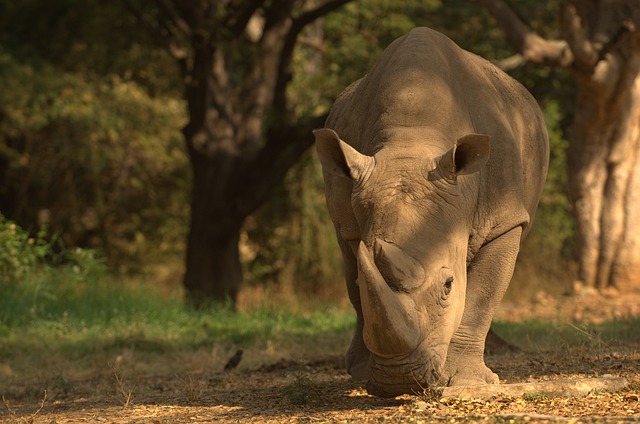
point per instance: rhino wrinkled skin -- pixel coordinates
(434, 164)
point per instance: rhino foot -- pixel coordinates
(471, 375)
(359, 370)
(357, 359)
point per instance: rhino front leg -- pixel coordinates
(357, 357)
(488, 277)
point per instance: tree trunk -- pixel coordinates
(213, 269)
(604, 178)
(214, 272)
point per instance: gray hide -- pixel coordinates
(433, 164)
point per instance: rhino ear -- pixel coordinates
(340, 159)
(468, 155)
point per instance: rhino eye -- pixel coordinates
(448, 285)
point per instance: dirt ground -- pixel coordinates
(317, 390)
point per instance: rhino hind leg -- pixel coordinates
(488, 277)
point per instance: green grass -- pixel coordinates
(81, 310)
(59, 311)
(62, 313)
(541, 335)
(78, 312)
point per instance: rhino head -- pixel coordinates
(408, 226)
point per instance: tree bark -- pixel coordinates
(226, 190)
(214, 271)
(603, 176)
(213, 268)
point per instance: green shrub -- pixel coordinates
(36, 274)
(98, 160)
(20, 253)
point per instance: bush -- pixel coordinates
(100, 161)
(37, 274)
(25, 257)
(20, 254)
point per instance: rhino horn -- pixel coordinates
(391, 328)
(400, 269)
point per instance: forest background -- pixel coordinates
(91, 149)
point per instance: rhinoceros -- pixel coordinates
(434, 163)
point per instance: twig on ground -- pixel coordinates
(6, 405)
(31, 418)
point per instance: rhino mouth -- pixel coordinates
(391, 377)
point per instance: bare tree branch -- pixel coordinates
(285, 142)
(585, 54)
(259, 85)
(530, 44)
(284, 147)
(626, 30)
(299, 23)
(278, 11)
(169, 16)
(322, 10)
(239, 15)
(512, 62)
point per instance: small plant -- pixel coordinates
(26, 257)
(303, 391)
(120, 386)
(192, 389)
(536, 397)
(429, 394)
(85, 262)
(592, 336)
